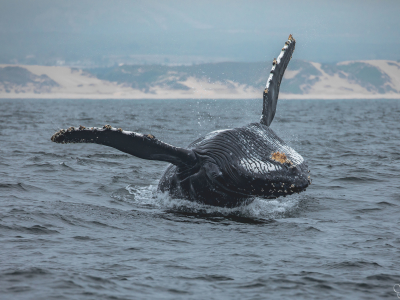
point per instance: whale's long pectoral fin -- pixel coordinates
(271, 91)
(139, 145)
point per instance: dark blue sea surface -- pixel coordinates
(84, 221)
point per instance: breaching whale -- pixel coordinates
(225, 168)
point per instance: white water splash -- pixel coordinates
(259, 208)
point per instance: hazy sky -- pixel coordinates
(325, 31)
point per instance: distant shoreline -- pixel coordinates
(194, 99)
(374, 79)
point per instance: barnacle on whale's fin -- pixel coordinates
(271, 91)
(137, 144)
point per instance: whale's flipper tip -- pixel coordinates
(57, 137)
(145, 146)
(71, 135)
(271, 91)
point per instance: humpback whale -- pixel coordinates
(224, 168)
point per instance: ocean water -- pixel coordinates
(84, 221)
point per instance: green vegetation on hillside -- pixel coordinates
(255, 75)
(145, 76)
(15, 77)
(302, 82)
(370, 77)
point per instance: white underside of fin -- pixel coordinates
(278, 61)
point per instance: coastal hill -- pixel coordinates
(226, 80)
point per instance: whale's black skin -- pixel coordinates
(226, 167)
(234, 165)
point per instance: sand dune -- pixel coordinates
(53, 82)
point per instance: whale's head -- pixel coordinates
(236, 165)
(247, 176)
